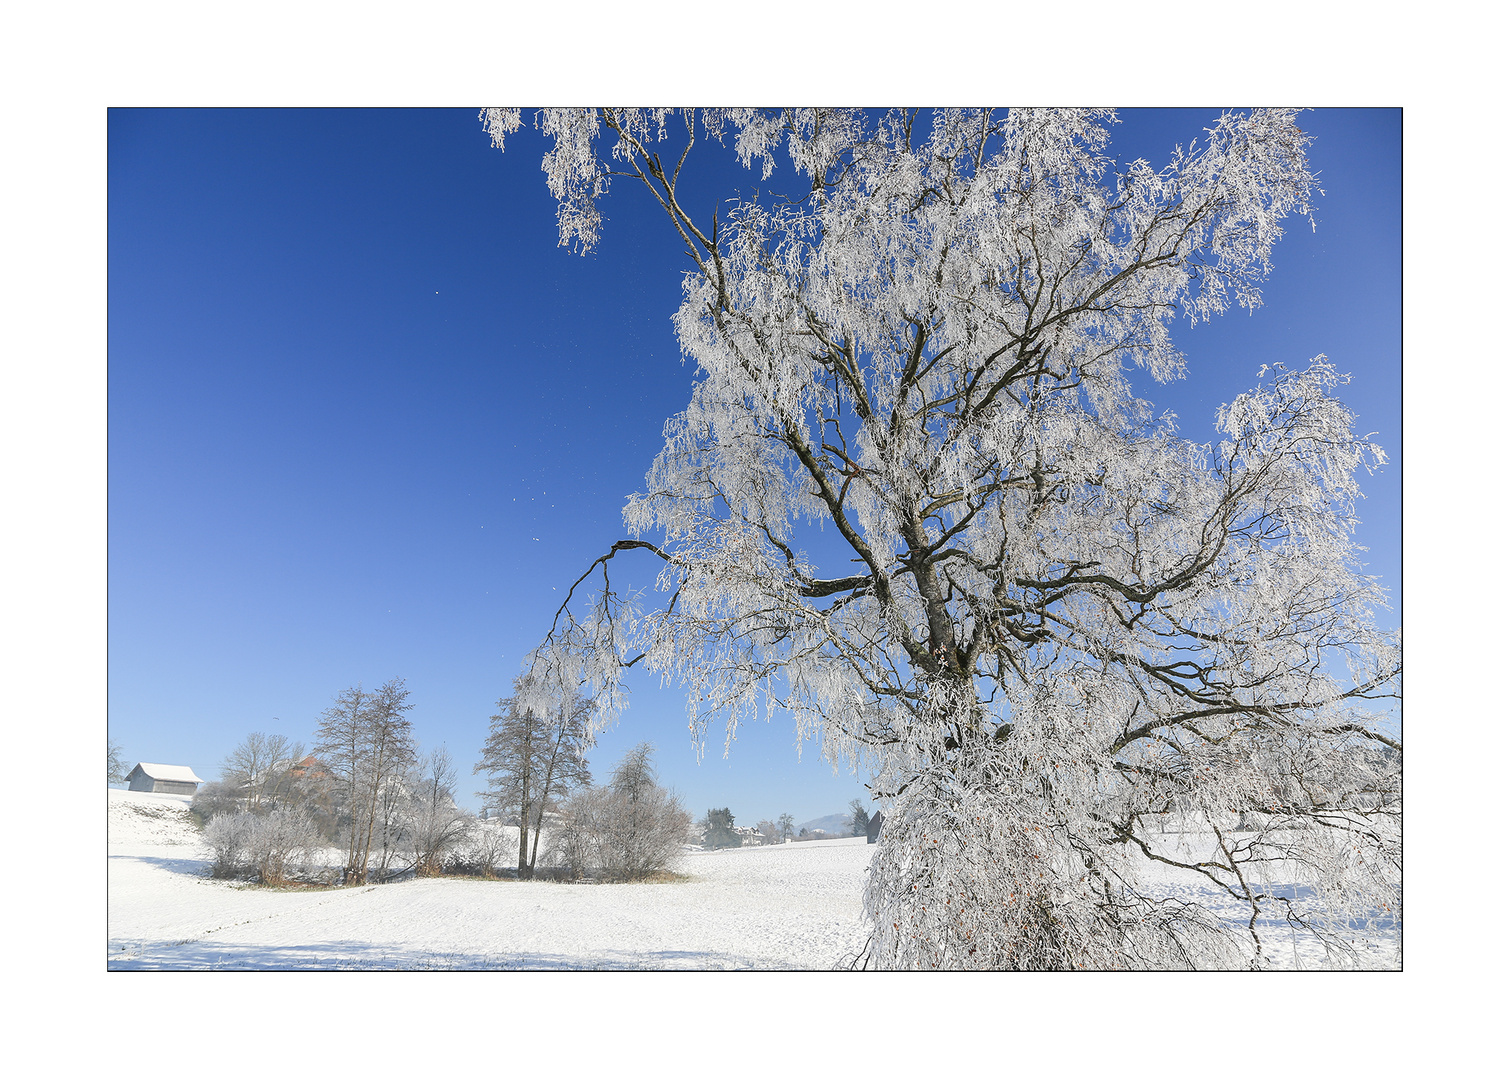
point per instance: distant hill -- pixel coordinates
(833, 824)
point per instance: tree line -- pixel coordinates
(365, 788)
(719, 831)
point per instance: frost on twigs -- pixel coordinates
(272, 847)
(1117, 689)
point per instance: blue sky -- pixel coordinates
(367, 420)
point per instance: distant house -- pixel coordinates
(165, 779)
(873, 827)
(309, 768)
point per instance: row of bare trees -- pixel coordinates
(778, 831)
(367, 788)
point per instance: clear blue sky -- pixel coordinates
(367, 420)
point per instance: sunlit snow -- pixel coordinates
(790, 906)
(785, 907)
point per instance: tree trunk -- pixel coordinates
(525, 867)
(541, 810)
(355, 828)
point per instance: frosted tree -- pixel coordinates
(434, 824)
(1054, 624)
(643, 825)
(627, 830)
(860, 818)
(260, 769)
(365, 740)
(534, 754)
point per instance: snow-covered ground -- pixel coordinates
(1377, 945)
(790, 906)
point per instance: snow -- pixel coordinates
(791, 906)
(1378, 941)
(168, 772)
(783, 907)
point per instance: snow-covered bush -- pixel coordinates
(227, 836)
(215, 799)
(281, 845)
(483, 849)
(641, 838)
(272, 847)
(577, 841)
(433, 831)
(628, 830)
(432, 826)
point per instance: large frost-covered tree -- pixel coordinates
(1055, 624)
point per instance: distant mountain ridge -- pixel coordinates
(833, 824)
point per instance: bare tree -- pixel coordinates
(533, 755)
(391, 827)
(115, 764)
(341, 743)
(391, 751)
(629, 829)
(784, 826)
(436, 825)
(260, 769)
(365, 741)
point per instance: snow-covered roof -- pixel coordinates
(168, 772)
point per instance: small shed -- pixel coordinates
(165, 779)
(873, 827)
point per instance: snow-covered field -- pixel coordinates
(1284, 947)
(793, 906)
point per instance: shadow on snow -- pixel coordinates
(363, 956)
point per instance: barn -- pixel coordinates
(166, 779)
